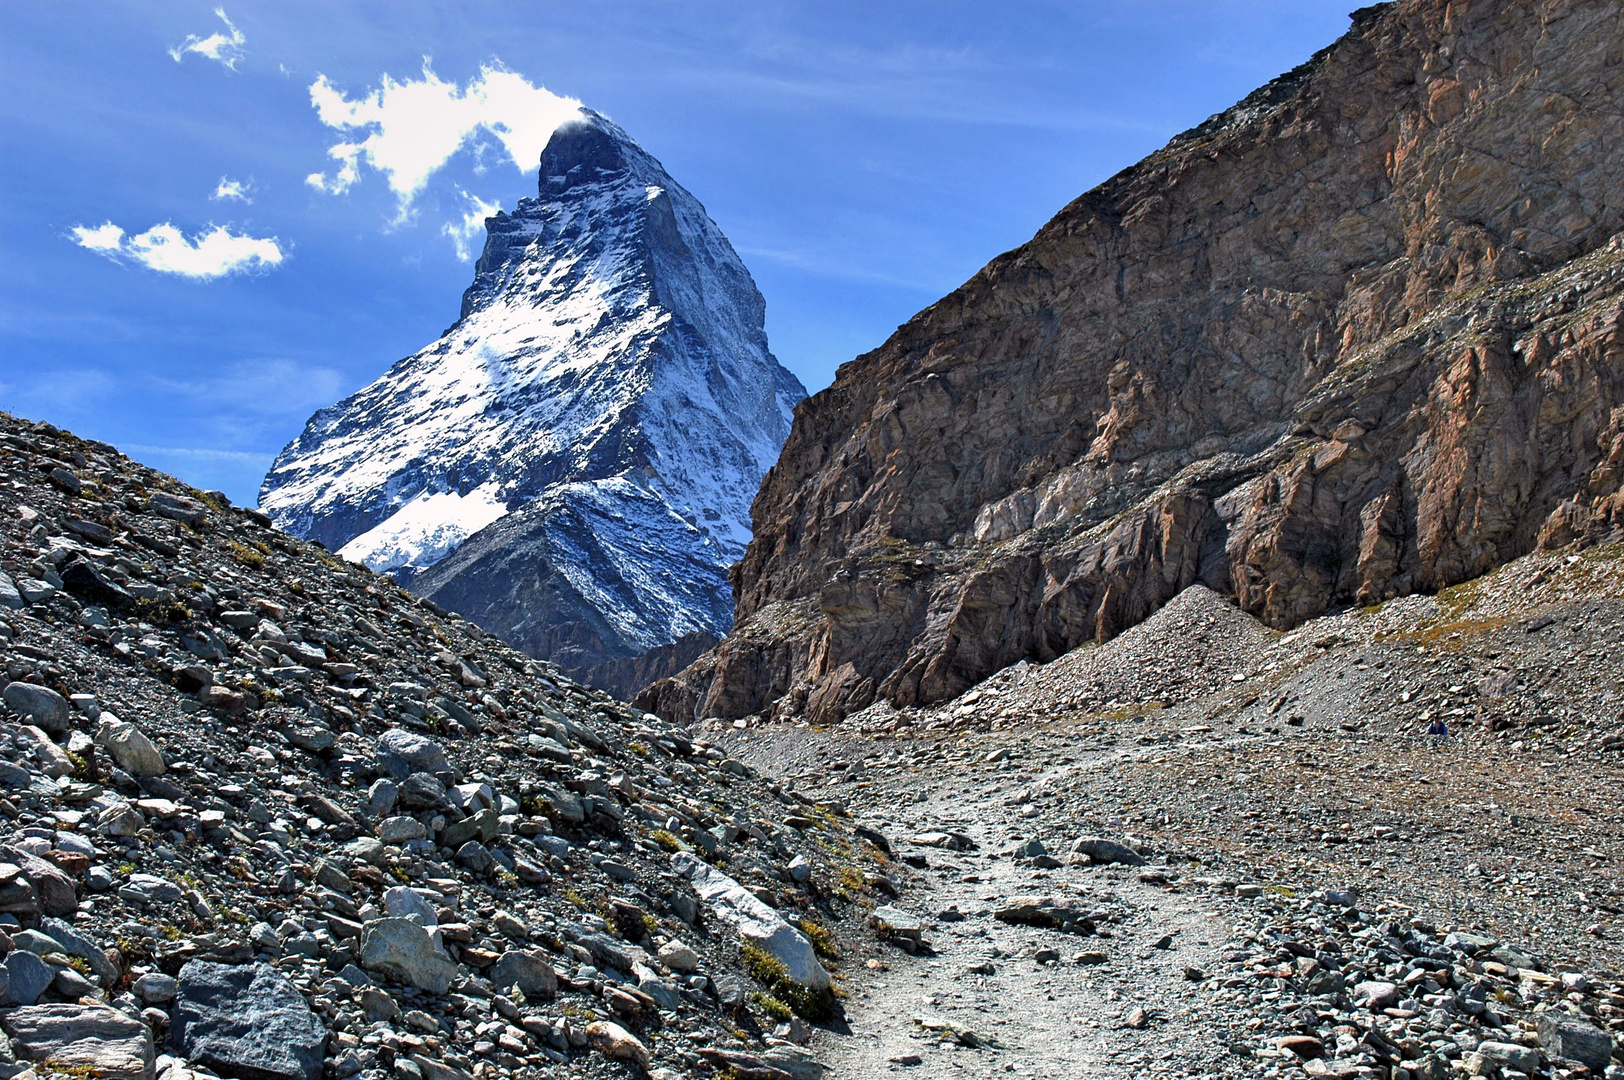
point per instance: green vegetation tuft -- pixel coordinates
(772, 1006)
(249, 557)
(813, 1005)
(823, 942)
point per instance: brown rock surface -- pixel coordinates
(1356, 337)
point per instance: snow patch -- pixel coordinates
(426, 529)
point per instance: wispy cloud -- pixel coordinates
(413, 127)
(250, 392)
(213, 253)
(462, 232)
(246, 457)
(236, 409)
(233, 189)
(225, 49)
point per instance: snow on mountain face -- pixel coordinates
(609, 377)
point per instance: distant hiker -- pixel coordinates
(1438, 732)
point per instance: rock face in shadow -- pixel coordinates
(623, 677)
(1358, 336)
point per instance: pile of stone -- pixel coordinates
(1327, 989)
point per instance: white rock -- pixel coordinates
(677, 956)
(129, 747)
(613, 1041)
(753, 920)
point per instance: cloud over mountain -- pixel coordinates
(407, 130)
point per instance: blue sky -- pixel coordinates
(864, 158)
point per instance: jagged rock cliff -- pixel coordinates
(571, 464)
(1359, 335)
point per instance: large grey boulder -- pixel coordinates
(528, 969)
(797, 1062)
(27, 977)
(1505, 1055)
(246, 1021)
(405, 902)
(54, 891)
(753, 920)
(40, 704)
(403, 950)
(94, 1040)
(1565, 1036)
(401, 753)
(1100, 850)
(178, 507)
(9, 596)
(76, 943)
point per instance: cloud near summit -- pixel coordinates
(407, 130)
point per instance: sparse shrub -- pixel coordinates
(813, 1005)
(851, 884)
(823, 942)
(249, 557)
(772, 1006)
(164, 613)
(667, 840)
(53, 1068)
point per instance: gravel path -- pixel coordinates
(1042, 1018)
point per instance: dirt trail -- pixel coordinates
(1048, 1020)
(983, 1000)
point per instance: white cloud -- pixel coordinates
(207, 255)
(223, 49)
(462, 232)
(412, 128)
(106, 237)
(233, 189)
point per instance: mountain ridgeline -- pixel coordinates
(571, 464)
(1358, 336)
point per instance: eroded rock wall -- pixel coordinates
(1357, 336)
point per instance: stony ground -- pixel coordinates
(1295, 822)
(265, 815)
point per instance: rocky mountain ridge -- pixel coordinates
(572, 462)
(1356, 337)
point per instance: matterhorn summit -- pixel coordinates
(571, 464)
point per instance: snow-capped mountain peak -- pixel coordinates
(608, 381)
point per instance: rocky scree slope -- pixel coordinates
(265, 815)
(571, 464)
(1356, 337)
